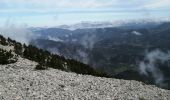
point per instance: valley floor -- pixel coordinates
(19, 81)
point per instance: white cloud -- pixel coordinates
(17, 32)
(85, 3)
(81, 10)
(158, 4)
(46, 5)
(43, 6)
(60, 3)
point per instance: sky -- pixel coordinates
(58, 12)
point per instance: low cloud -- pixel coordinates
(83, 56)
(56, 39)
(20, 33)
(152, 64)
(88, 41)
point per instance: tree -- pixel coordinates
(6, 57)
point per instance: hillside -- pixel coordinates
(20, 81)
(106, 48)
(35, 78)
(10, 50)
(120, 51)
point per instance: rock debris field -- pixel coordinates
(19, 81)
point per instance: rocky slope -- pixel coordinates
(19, 81)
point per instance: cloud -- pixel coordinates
(88, 41)
(153, 64)
(19, 33)
(59, 5)
(110, 9)
(52, 6)
(56, 3)
(158, 4)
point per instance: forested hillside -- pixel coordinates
(44, 58)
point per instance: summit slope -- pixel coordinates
(20, 81)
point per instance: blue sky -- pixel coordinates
(58, 12)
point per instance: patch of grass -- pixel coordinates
(142, 98)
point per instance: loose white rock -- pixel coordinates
(19, 81)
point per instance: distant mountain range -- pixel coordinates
(143, 23)
(115, 50)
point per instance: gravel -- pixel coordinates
(19, 81)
